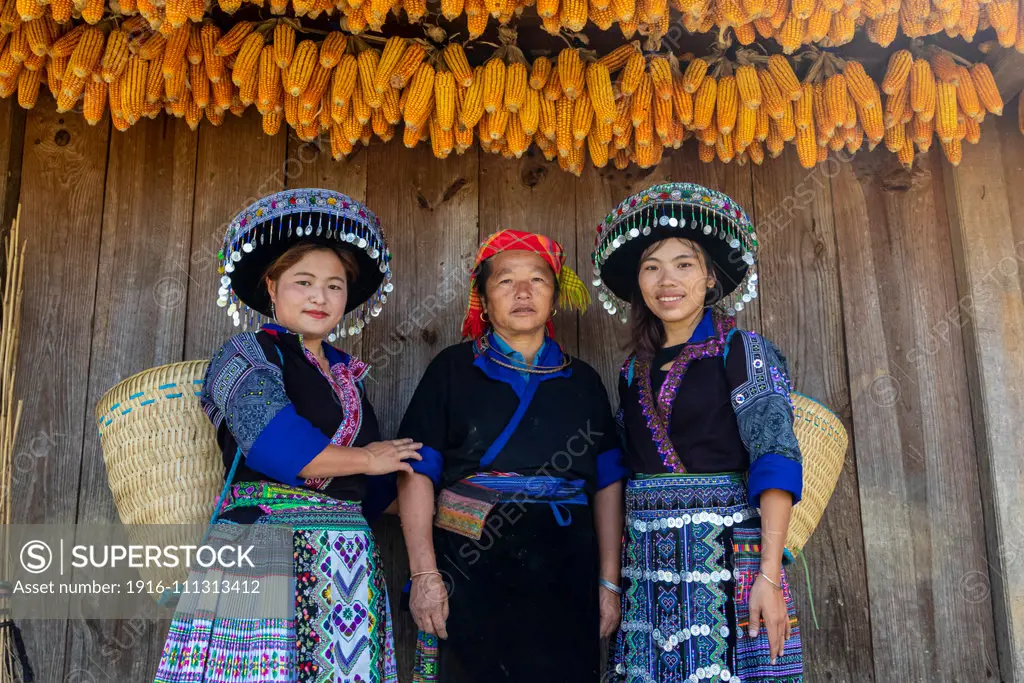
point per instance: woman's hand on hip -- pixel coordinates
(768, 604)
(611, 611)
(428, 602)
(385, 457)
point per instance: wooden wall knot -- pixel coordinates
(449, 194)
(533, 175)
(62, 137)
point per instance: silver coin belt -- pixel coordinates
(704, 673)
(646, 525)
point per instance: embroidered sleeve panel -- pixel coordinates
(244, 388)
(764, 410)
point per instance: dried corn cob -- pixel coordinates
(661, 77)
(945, 111)
(772, 98)
(247, 61)
(682, 102)
(749, 86)
(87, 53)
(301, 68)
(444, 100)
(231, 42)
(472, 109)
(529, 114)
(582, 117)
(28, 88)
(704, 103)
(494, 84)
(898, 72)
(864, 91)
(66, 44)
(633, 72)
(617, 58)
(987, 91)
(727, 104)
(284, 45)
(332, 49)
(922, 89)
(421, 93)
(455, 58)
(599, 87)
(200, 83)
(570, 72)
(516, 77)
(540, 72)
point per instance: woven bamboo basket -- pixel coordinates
(823, 441)
(163, 463)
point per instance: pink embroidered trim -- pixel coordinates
(659, 414)
(343, 380)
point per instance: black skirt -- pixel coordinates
(523, 600)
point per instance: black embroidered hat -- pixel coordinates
(685, 210)
(269, 227)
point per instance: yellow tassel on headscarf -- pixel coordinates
(572, 292)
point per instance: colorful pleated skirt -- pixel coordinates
(691, 554)
(340, 630)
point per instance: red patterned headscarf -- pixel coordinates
(572, 292)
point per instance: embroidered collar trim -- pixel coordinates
(658, 412)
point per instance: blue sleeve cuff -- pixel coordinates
(773, 471)
(286, 445)
(610, 468)
(431, 464)
(381, 491)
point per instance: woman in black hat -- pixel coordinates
(301, 449)
(708, 427)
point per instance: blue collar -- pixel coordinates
(497, 342)
(550, 353)
(705, 328)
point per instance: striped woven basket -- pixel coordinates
(823, 441)
(163, 463)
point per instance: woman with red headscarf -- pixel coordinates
(515, 576)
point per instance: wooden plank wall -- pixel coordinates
(858, 272)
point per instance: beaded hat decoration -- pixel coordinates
(268, 228)
(685, 210)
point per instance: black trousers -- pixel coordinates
(523, 599)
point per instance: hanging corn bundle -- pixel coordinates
(625, 107)
(791, 23)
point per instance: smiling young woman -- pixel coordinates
(708, 426)
(301, 446)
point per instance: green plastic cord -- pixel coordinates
(810, 595)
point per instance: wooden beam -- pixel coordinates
(139, 323)
(801, 310)
(12, 142)
(989, 258)
(61, 219)
(914, 445)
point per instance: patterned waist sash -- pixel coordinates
(282, 504)
(462, 508)
(671, 492)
